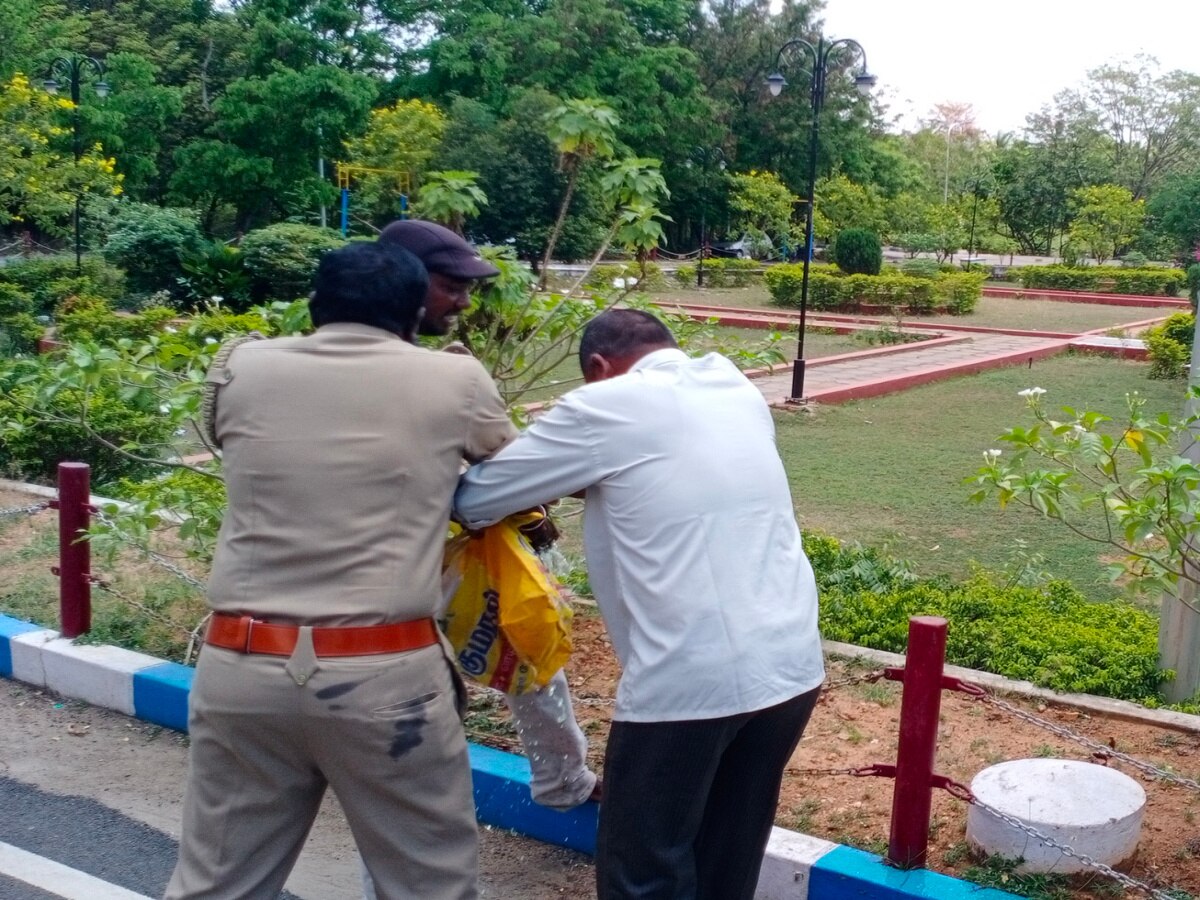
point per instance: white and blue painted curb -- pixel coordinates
(796, 866)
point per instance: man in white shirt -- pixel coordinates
(697, 565)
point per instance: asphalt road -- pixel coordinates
(90, 804)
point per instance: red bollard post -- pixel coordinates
(919, 708)
(74, 555)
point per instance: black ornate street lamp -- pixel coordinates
(820, 57)
(72, 69)
(706, 158)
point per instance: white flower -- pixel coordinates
(1031, 392)
(991, 455)
(210, 340)
(163, 408)
(170, 329)
(217, 299)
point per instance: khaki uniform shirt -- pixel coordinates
(341, 453)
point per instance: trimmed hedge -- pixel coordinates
(722, 272)
(957, 292)
(603, 275)
(1103, 279)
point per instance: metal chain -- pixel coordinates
(1100, 749)
(24, 510)
(125, 598)
(858, 771)
(1066, 851)
(157, 558)
(594, 701)
(174, 570)
(870, 677)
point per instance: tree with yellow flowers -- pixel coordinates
(39, 176)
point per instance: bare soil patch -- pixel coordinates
(857, 725)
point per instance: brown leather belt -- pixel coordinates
(246, 634)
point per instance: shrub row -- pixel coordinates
(1103, 279)
(604, 276)
(957, 292)
(1049, 634)
(722, 272)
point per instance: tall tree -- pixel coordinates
(264, 161)
(39, 176)
(1150, 121)
(580, 130)
(1107, 219)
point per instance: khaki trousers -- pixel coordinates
(382, 731)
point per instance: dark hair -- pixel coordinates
(619, 333)
(382, 285)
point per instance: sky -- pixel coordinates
(1006, 58)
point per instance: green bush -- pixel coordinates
(32, 448)
(19, 327)
(1103, 279)
(1050, 634)
(1169, 346)
(50, 279)
(723, 272)
(1134, 259)
(150, 244)
(282, 259)
(86, 318)
(858, 251)
(957, 292)
(215, 270)
(603, 276)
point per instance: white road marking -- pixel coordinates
(57, 879)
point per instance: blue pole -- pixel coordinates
(404, 206)
(345, 209)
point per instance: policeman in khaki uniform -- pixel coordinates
(322, 665)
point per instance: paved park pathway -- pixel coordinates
(948, 350)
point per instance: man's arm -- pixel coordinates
(490, 427)
(555, 457)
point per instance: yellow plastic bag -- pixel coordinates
(506, 619)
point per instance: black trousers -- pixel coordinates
(688, 806)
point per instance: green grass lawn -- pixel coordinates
(888, 472)
(992, 312)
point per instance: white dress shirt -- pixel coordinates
(692, 546)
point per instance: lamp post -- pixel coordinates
(72, 69)
(821, 57)
(975, 186)
(706, 157)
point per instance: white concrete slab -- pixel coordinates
(102, 676)
(27, 662)
(786, 866)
